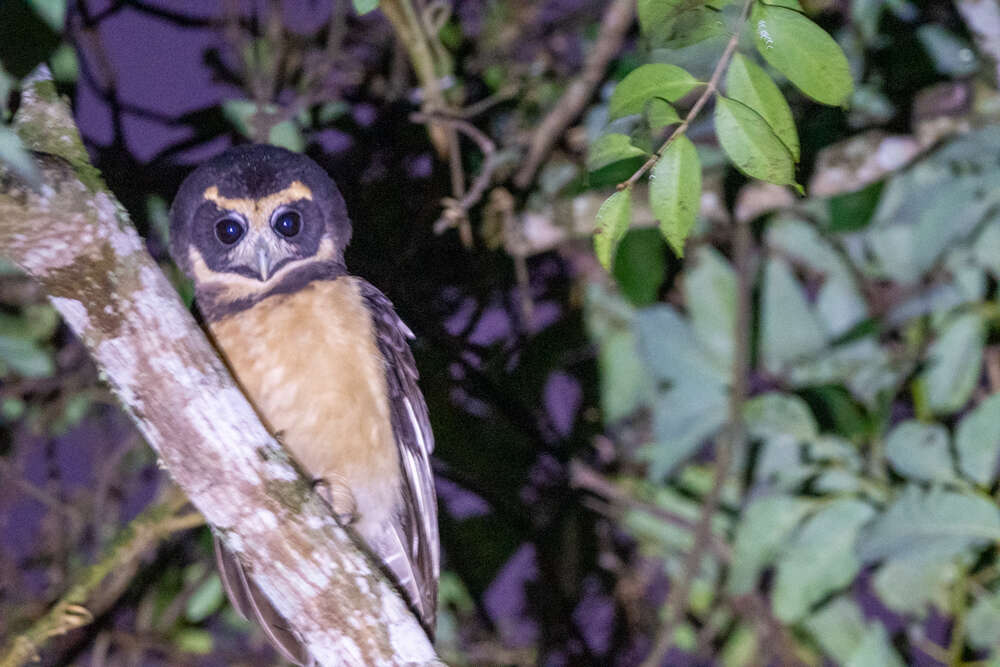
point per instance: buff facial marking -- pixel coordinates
(257, 211)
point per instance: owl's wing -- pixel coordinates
(252, 604)
(416, 529)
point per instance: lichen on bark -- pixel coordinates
(74, 237)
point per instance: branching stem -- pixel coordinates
(710, 88)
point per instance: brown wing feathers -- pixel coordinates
(416, 527)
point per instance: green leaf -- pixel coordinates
(683, 419)
(613, 219)
(678, 23)
(875, 650)
(789, 329)
(660, 113)
(748, 83)
(675, 191)
(239, 112)
(671, 353)
(611, 148)
(750, 143)
(838, 628)
(26, 357)
(937, 522)
(194, 640)
(977, 441)
(775, 414)
(287, 134)
(820, 559)
(912, 585)
(710, 296)
(761, 531)
(623, 382)
(983, 623)
(205, 601)
(364, 6)
(14, 156)
(640, 266)
(694, 405)
(952, 55)
(647, 82)
(53, 12)
(920, 451)
(803, 52)
(953, 365)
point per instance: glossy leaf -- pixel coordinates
(675, 191)
(660, 113)
(977, 441)
(647, 82)
(803, 52)
(750, 143)
(610, 148)
(613, 219)
(678, 23)
(748, 83)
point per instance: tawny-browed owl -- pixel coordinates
(321, 354)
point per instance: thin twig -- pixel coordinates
(456, 209)
(710, 88)
(76, 607)
(582, 476)
(680, 588)
(614, 25)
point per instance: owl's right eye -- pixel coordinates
(229, 230)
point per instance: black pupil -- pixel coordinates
(229, 231)
(288, 224)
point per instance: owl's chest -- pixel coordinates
(309, 363)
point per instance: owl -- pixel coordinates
(321, 354)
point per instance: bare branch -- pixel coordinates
(76, 240)
(96, 588)
(614, 25)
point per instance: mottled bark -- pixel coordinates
(76, 240)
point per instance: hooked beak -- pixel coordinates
(263, 263)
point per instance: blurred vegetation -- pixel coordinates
(767, 434)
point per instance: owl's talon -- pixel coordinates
(335, 491)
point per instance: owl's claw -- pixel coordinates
(335, 491)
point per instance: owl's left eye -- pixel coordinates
(288, 224)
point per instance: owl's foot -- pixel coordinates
(335, 491)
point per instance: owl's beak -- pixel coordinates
(263, 263)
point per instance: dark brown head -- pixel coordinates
(246, 220)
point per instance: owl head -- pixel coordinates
(244, 221)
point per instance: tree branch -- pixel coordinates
(92, 594)
(76, 240)
(614, 25)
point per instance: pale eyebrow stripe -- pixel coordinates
(252, 209)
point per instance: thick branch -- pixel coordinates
(75, 239)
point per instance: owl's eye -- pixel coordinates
(288, 224)
(229, 230)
